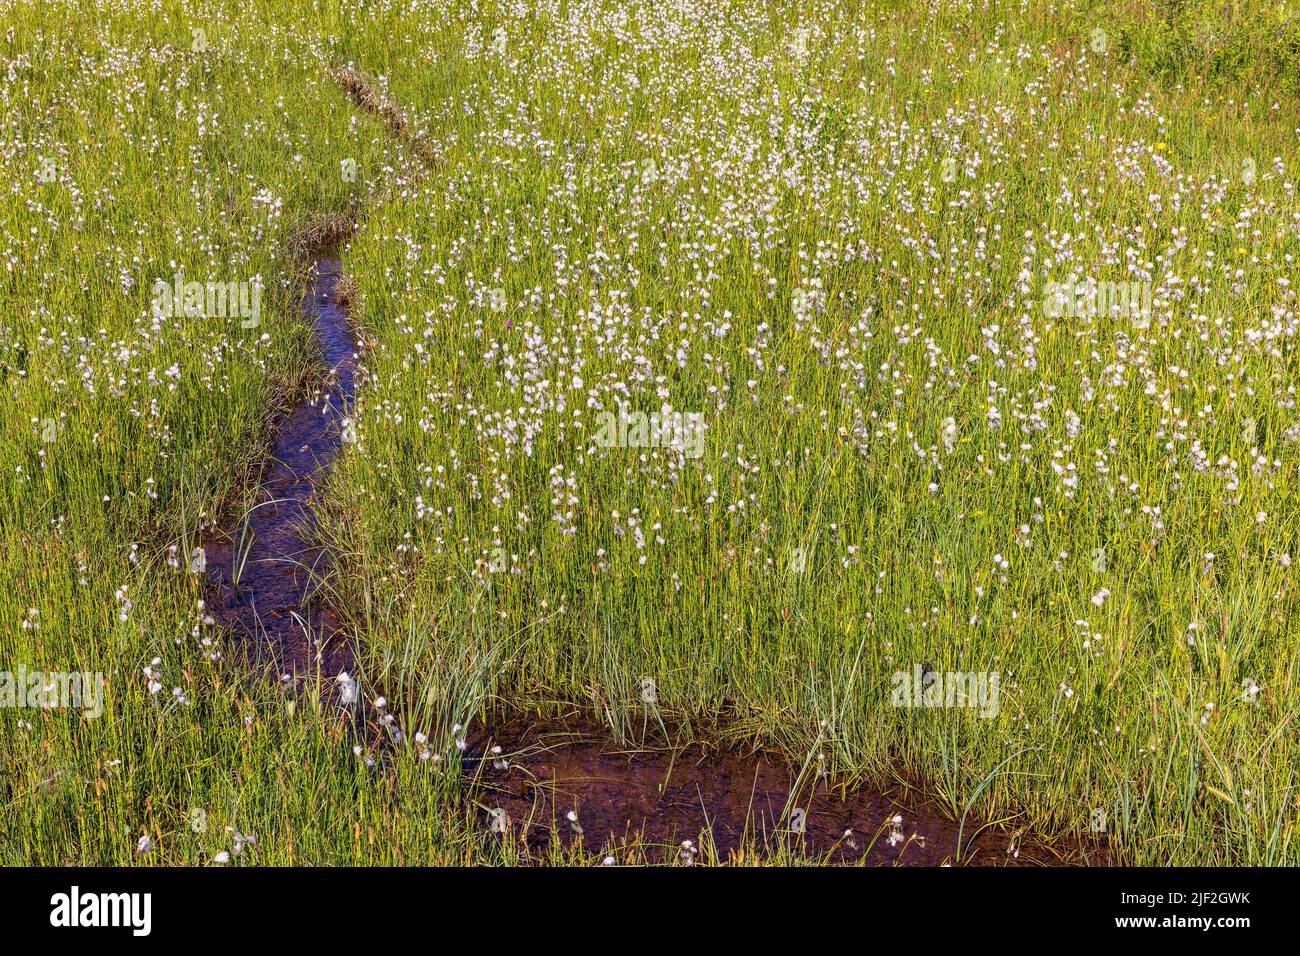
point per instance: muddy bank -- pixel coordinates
(262, 568)
(728, 798)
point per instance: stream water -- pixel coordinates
(273, 600)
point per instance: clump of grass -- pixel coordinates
(364, 93)
(346, 292)
(317, 234)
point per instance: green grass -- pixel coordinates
(737, 209)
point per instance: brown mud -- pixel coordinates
(273, 602)
(724, 802)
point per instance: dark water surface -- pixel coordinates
(275, 604)
(737, 799)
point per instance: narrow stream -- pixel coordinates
(273, 603)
